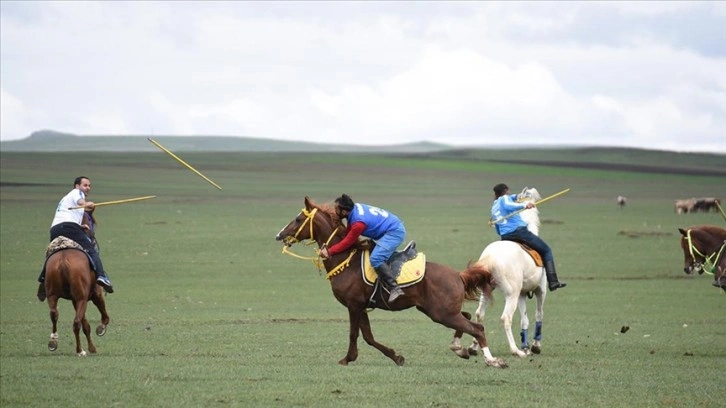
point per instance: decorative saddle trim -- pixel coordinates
(412, 270)
(61, 243)
(534, 254)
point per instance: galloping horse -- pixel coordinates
(69, 276)
(704, 250)
(517, 275)
(439, 294)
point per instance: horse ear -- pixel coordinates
(683, 232)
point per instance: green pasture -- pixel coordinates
(209, 313)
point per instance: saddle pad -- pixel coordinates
(411, 273)
(534, 254)
(59, 243)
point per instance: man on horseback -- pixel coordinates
(513, 228)
(375, 223)
(68, 222)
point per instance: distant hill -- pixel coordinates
(604, 158)
(52, 141)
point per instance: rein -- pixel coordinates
(316, 260)
(710, 260)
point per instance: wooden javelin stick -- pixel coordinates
(128, 200)
(491, 223)
(183, 162)
(721, 210)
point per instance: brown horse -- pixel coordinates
(704, 249)
(439, 295)
(69, 276)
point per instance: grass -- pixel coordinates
(208, 312)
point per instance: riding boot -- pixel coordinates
(41, 286)
(101, 277)
(386, 276)
(552, 281)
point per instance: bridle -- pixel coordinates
(317, 260)
(709, 261)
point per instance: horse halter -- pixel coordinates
(709, 261)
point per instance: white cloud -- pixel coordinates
(374, 73)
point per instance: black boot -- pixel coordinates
(552, 281)
(386, 276)
(41, 286)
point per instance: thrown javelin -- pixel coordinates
(183, 162)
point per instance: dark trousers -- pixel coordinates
(526, 237)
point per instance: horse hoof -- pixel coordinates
(472, 351)
(497, 363)
(399, 360)
(343, 362)
(82, 353)
(100, 330)
(463, 353)
(52, 345)
(536, 349)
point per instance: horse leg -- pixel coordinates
(53, 306)
(456, 321)
(354, 316)
(524, 320)
(480, 311)
(509, 306)
(455, 345)
(100, 303)
(80, 307)
(538, 317)
(365, 329)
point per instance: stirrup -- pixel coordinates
(395, 293)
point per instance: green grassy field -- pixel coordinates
(208, 312)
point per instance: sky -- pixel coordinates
(638, 74)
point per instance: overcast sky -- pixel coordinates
(635, 74)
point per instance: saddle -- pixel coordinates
(534, 254)
(408, 266)
(61, 243)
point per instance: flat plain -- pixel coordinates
(209, 312)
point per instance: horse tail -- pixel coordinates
(476, 278)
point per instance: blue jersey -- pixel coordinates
(378, 221)
(504, 206)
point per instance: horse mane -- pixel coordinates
(328, 209)
(718, 232)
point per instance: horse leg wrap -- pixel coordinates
(538, 331)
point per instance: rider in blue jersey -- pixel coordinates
(513, 228)
(377, 224)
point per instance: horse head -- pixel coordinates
(314, 222)
(691, 263)
(531, 216)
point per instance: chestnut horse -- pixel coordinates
(69, 276)
(704, 250)
(439, 295)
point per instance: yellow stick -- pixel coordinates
(183, 162)
(721, 210)
(128, 200)
(491, 223)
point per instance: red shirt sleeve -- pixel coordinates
(354, 231)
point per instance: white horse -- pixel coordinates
(515, 273)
